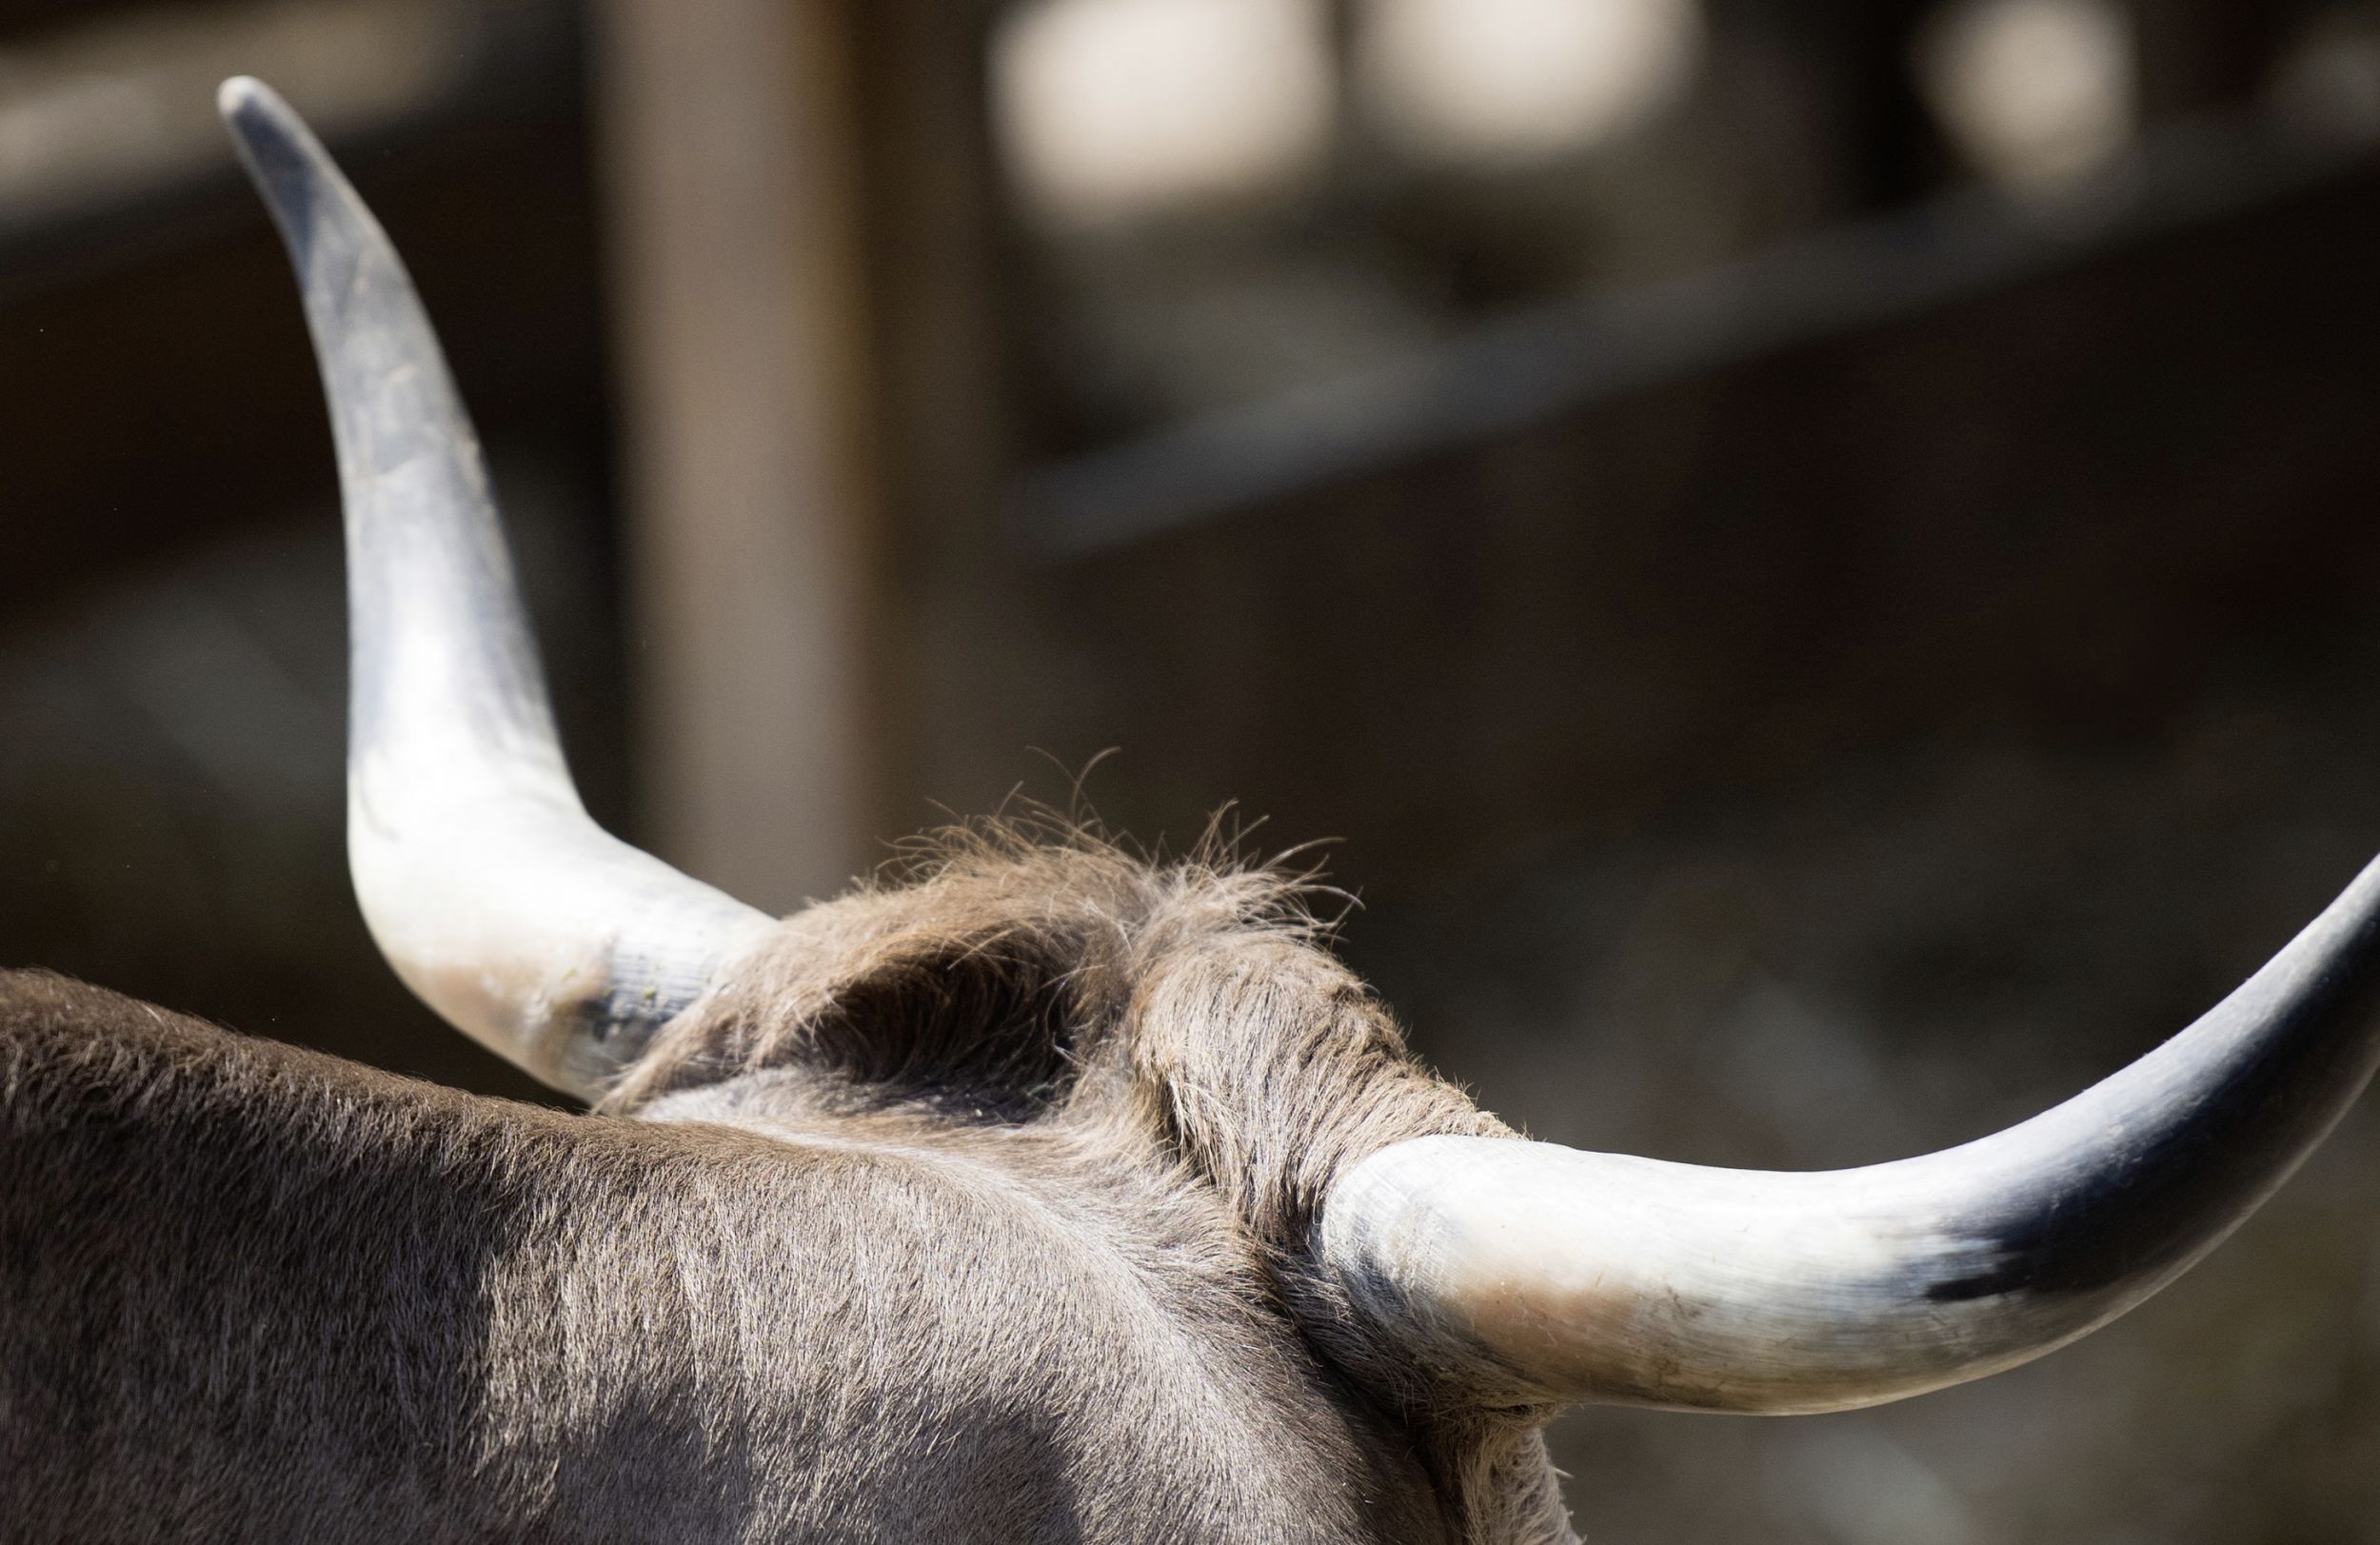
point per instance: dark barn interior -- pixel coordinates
(1813, 559)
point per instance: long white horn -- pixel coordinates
(1547, 1273)
(484, 882)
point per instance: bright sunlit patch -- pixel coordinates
(2035, 93)
(1523, 80)
(1109, 107)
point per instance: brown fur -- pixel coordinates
(978, 1206)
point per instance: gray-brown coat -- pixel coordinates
(981, 1208)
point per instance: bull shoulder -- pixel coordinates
(250, 1291)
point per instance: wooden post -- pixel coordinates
(947, 281)
(732, 155)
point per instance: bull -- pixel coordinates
(1040, 1193)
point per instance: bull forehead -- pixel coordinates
(1145, 1080)
(1166, 1058)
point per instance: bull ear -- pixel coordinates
(1599, 1277)
(485, 884)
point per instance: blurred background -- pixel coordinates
(1818, 553)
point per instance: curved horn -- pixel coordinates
(485, 885)
(1544, 1272)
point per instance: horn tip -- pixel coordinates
(269, 135)
(293, 174)
(247, 104)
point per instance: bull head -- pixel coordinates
(1535, 1273)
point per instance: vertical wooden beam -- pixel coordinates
(732, 155)
(945, 279)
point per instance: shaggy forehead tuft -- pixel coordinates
(1009, 974)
